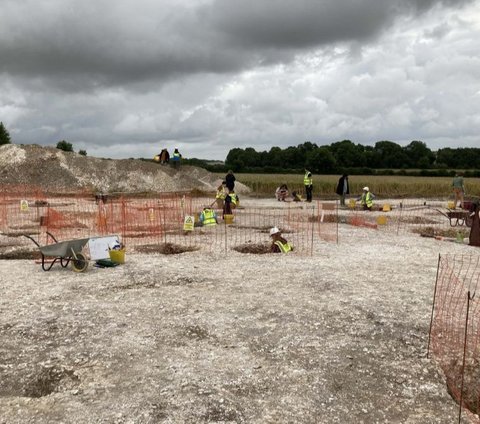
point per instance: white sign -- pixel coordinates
(99, 246)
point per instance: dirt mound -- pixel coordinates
(55, 170)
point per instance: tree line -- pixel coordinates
(385, 157)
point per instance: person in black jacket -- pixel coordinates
(230, 180)
(343, 188)
(474, 237)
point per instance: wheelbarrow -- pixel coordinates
(459, 217)
(66, 252)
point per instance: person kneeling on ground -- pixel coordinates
(281, 193)
(279, 244)
(366, 199)
(208, 217)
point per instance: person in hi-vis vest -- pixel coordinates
(366, 199)
(308, 183)
(279, 243)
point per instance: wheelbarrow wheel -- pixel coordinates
(79, 264)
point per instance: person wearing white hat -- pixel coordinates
(279, 244)
(366, 199)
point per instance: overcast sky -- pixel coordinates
(125, 78)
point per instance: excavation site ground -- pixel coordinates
(205, 336)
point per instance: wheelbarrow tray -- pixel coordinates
(457, 214)
(64, 249)
(459, 218)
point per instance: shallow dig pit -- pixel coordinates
(15, 254)
(48, 380)
(257, 249)
(165, 248)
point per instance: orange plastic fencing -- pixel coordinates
(455, 328)
(400, 216)
(148, 221)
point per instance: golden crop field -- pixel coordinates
(382, 186)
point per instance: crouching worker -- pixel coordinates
(281, 193)
(296, 197)
(208, 217)
(366, 199)
(220, 195)
(279, 244)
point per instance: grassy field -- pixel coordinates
(382, 186)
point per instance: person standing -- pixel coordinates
(231, 202)
(230, 180)
(164, 157)
(474, 237)
(458, 189)
(342, 188)
(176, 156)
(308, 183)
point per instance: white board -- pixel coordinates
(99, 246)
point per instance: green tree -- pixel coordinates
(65, 146)
(347, 154)
(389, 155)
(82, 152)
(275, 157)
(4, 135)
(320, 160)
(419, 155)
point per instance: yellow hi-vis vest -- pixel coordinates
(284, 247)
(208, 217)
(367, 199)
(220, 194)
(233, 198)
(307, 180)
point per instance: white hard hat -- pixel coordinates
(274, 230)
(366, 188)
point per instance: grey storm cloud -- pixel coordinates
(133, 41)
(121, 78)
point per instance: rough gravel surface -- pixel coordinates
(56, 170)
(340, 337)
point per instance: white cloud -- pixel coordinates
(126, 79)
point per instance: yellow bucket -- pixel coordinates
(386, 208)
(451, 205)
(228, 219)
(352, 203)
(117, 256)
(382, 220)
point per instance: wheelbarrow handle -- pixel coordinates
(31, 238)
(52, 236)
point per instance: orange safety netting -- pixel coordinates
(454, 331)
(160, 219)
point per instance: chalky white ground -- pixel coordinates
(339, 337)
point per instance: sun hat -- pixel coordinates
(366, 188)
(274, 230)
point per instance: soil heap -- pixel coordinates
(56, 170)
